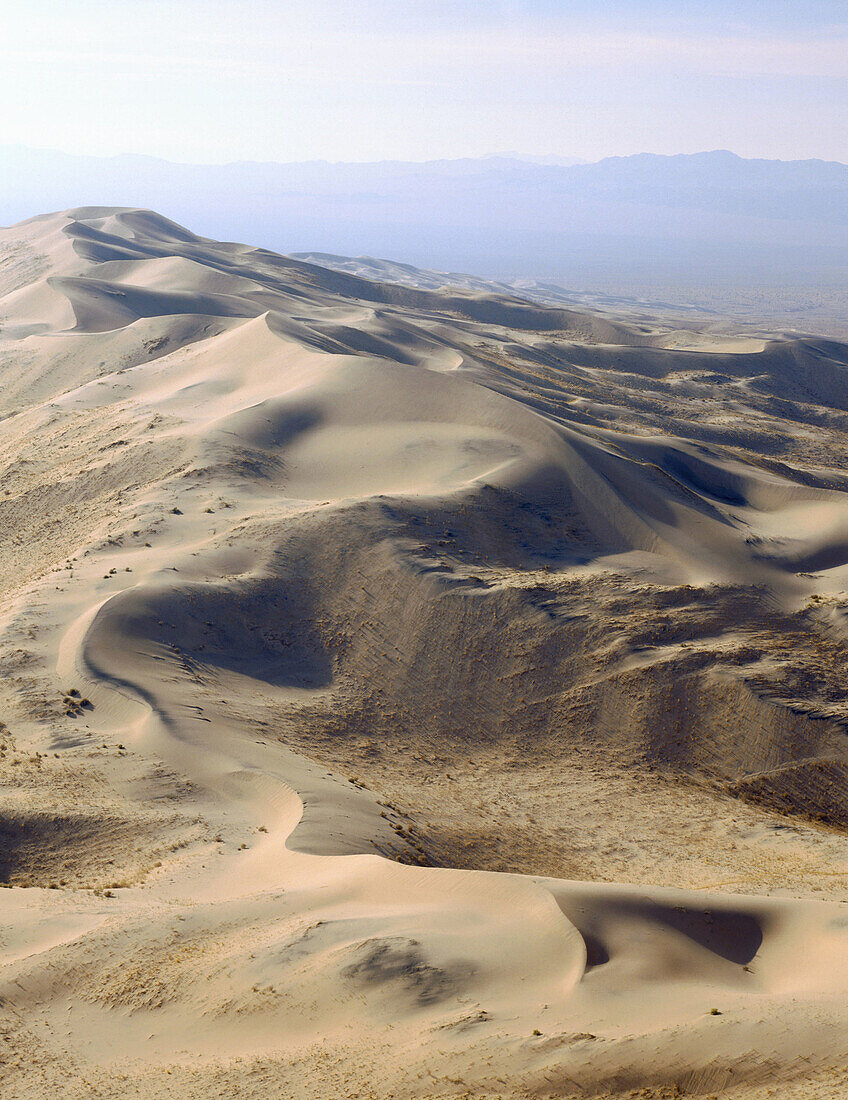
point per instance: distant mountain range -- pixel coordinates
(708, 218)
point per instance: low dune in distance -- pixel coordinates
(411, 692)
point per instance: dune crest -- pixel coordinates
(429, 672)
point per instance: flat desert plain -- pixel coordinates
(411, 693)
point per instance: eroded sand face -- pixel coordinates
(410, 693)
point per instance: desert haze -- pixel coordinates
(763, 241)
(411, 691)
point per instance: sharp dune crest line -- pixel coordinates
(391, 676)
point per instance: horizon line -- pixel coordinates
(535, 159)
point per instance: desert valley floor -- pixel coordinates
(411, 693)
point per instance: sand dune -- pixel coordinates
(410, 692)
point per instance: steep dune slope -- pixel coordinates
(323, 598)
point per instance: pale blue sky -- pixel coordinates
(221, 80)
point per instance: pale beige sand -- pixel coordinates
(410, 694)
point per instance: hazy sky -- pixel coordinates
(220, 80)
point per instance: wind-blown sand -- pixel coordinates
(410, 693)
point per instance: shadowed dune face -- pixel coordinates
(439, 576)
(418, 627)
(733, 936)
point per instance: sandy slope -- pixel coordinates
(715, 309)
(326, 599)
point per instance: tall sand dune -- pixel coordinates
(410, 692)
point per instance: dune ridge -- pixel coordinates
(400, 669)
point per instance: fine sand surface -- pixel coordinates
(790, 310)
(410, 693)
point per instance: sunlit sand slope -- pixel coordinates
(410, 693)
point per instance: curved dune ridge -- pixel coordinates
(410, 693)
